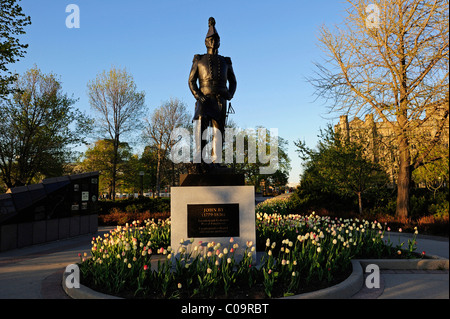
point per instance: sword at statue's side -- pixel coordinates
(229, 111)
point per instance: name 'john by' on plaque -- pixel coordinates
(213, 220)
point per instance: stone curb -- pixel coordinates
(407, 264)
(343, 290)
(83, 292)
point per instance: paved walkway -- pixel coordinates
(413, 284)
(35, 272)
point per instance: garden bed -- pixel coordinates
(299, 254)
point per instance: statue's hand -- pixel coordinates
(229, 96)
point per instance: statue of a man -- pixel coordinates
(212, 72)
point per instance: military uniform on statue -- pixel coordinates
(212, 83)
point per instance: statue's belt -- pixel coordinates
(212, 83)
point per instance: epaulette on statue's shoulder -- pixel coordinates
(228, 60)
(197, 57)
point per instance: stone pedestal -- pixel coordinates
(212, 180)
(213, 213)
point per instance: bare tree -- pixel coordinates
(114, 96)
(390, 58)
(159, 127)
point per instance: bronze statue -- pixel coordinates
(212, 72)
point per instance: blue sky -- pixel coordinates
(272, 44)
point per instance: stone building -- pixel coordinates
(378, 137)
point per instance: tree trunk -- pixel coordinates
(360, 203)
(404, 173)
(173, 174)
(158, 172)
(114, 169)
(404, 180)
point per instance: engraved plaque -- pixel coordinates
(84, 196)
(213, 220)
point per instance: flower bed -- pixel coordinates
(297, 254)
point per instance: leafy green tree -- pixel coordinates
(149, 163)
(12, 23)
(251, 168)
(39, 127)
(435, 174)
(279, 179)
(99, 157)
(340, 166)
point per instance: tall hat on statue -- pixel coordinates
(212, 28)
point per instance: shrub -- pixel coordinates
(117, 217)
(275, 205)
(133, 205)
(124, 211)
